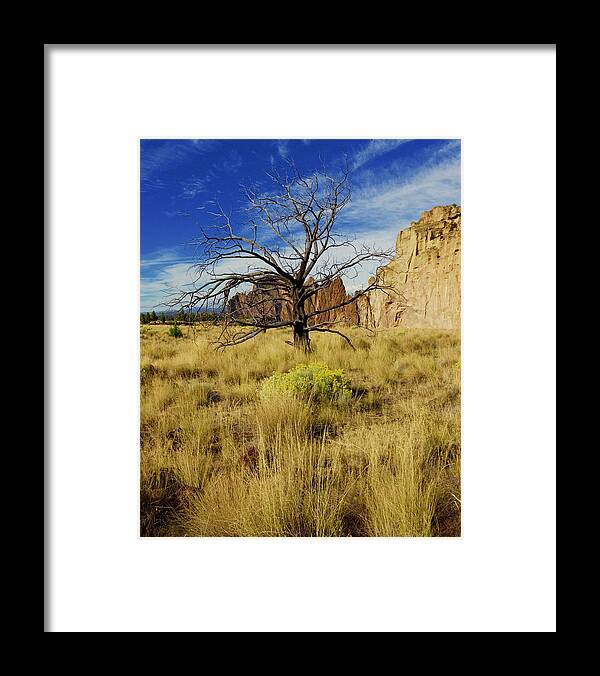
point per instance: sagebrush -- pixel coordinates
(315, 382)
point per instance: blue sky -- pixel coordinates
(393, 181)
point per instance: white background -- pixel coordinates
(500, 575)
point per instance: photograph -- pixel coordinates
(300, 337)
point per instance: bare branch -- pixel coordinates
(273, 269)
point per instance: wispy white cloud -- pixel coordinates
(373, 149)
(232, 162)
(204, 145)
(392, 203)
(282, 149)
(166, 256)
(159, 156)
(194, 187)
(164, 283)
(168, 272)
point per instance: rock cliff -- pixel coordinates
(260, 304)
(424, 276)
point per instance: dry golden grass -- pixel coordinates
(217, 460)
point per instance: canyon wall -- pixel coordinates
(424, 276)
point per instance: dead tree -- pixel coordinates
(266, 273)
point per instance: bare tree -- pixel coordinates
(267, 273)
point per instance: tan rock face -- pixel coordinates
(423, 280)
(258, 305)
(329, 297)
(424, 276)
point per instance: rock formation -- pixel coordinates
(424, 276)
(423, 282)
(333, 295)
(260, 304)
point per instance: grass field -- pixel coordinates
(217, 459)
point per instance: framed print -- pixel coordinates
(300, 338)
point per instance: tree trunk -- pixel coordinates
(301, 338)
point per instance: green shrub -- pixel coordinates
(310, 381)
(175, 331)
